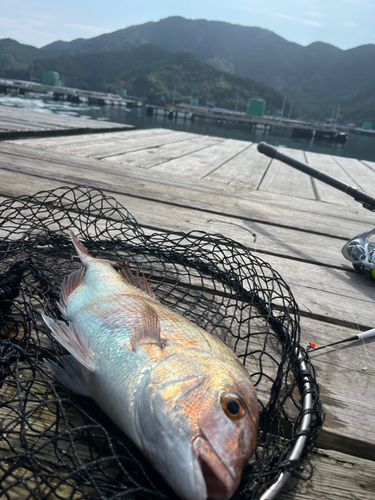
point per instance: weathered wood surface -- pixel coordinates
(282, 179)
(346, 376)
(246, 169)
(275, 239)
(298, 233)
(287, 211)
(316, 277)
(16, 122)
(330, 166)
(224, 160)
(336, 476)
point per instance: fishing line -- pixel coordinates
(372, 362)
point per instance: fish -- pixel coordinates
(177, 391)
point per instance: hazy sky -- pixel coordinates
(344, 23)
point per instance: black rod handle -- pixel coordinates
(366, 200)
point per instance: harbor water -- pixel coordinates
(357, 146)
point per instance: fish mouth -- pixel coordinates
(220, 481)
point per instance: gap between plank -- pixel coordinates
(143, 148)
(229, 159)
(313, 183)
(181, 156)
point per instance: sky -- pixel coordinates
(343, 23)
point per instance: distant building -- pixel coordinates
(51, 78)
(256, 107)
(367, 125)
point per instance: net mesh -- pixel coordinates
(56, 444)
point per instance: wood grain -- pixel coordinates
(171, 181)
(336, 477)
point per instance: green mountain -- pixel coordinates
(16, 55)
(152, 72)
(315, 78)
(99, 71)
(184, 76)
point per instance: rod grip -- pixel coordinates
(267, 149)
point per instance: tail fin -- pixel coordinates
(82, 251)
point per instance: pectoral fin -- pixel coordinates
(147, 329)
(73, 338)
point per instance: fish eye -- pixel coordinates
(233, 406)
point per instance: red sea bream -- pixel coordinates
(177, 391)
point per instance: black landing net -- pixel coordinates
(55, 444)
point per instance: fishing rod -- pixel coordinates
(366, 200)
(359, 336)
(359, 250)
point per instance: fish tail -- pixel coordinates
(80, 248)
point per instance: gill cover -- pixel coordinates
(166, 436)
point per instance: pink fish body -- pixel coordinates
(177, 391)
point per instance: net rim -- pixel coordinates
(299, 446)
(302, 368)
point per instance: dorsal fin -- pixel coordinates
(136, 280)
(147, 329)
(68, 286)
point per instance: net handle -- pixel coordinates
(296, 453)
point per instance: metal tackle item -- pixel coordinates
(359, 251)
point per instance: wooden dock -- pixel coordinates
(22, 87)
(178, 181)
(16, 122)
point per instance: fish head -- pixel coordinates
(199, 430)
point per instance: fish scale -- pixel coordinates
(162, 379)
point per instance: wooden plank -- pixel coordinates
(152, 157)
(58, 143)
(231, 200)
(160, 216)
(370, 164)
(30, 117)
(359, 173)
(116, 181)
(202, 163)
(284, 201)
(344, 427)
(318, 290)
(246, 169)
(16, 122)
(336, 476)
(328, 165)
(346, 376)
(107, 148)
(282, 179)
(281, 201)
(329, 294)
